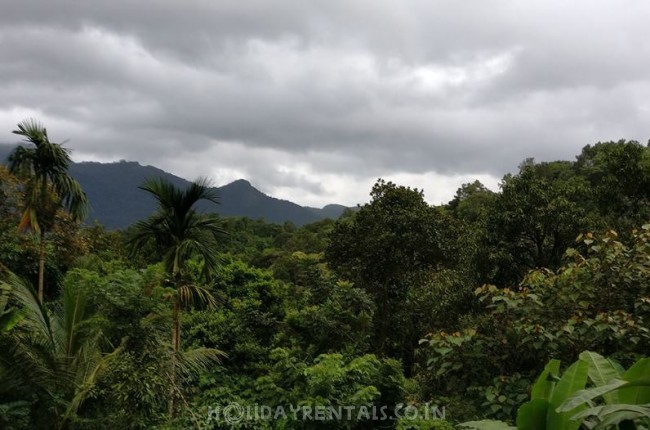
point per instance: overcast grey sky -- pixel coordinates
(312, 101)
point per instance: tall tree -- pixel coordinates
(48, 186)
(388, 248)
(530, 224)
(618, 174)
(179, 232)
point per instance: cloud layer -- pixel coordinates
(312, 101)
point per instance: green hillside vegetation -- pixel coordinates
(477, 307)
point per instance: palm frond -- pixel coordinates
(163, 191)
(176, 228)
(57, 354)
(32, 130)
(36, 317)
(73, 198)
(28, 348)
(200, 189)
(21, 162)
(191, 295)
(198, 360)
(93, 364)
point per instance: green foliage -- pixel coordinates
(598, 301)
(532, 221)
(308, 316)
(250, 312)
(423, 424)
(20, 253)
(563, 402)
(472, 202)
(389, 248)
(48, 187)
(177, 230)
(504, 396)
(52, 359)
(626, 394)
(619, 177)
(337, 317)
(330, 380)
(486, 425)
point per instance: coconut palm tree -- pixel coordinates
(50, 359)
(179, 233)
(48, 186)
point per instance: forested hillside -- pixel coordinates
(116, 202)
(472, 306)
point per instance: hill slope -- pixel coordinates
(116, 201)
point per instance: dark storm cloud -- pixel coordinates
(314, 100)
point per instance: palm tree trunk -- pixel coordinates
(41, 267)
(176, 343)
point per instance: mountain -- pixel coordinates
(329, 211)
(117, 202)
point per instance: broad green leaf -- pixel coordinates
(544, 385)
(581, 397)
(636, 394)
(574, 379)
(613, 414)
(620, 413)
(532, 415)
(601, 372)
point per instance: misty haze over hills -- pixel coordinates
(117, 202)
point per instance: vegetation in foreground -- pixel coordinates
(476, 305)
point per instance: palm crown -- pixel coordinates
(45, 169)
(177, 230)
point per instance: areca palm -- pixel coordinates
(179, 232)
(48, 185)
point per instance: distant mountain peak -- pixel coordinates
(117, 202)
(241, 182)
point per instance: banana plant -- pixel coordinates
(625, 395)
(615, 398)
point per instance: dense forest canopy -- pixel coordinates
(399, 302)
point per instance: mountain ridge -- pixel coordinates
(117, 202)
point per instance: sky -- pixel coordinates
(312, 101)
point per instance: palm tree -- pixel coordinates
(48, 186)
(50, 359)
(179, 232)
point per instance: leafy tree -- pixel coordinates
(332, 380)
(387, 248)
(17, 251)
(471, 202)
(597, 301)
(533, 220)
(48, 186)
(20, 252)
(129, 308)
(179, 232)
(337, 319)
(619, 177)
(106, 245)
(252, 307)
